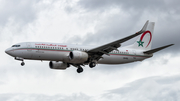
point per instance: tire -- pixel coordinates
(92, 64)
(22, 63)
(79, 70)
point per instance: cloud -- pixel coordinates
(20, 11)
(41, 97)
(139, 5)
(15, 17)
(150, 89)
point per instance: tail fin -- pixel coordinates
(145, 40)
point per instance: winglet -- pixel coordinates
(144, 27)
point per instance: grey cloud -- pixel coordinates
(151, 89)
(166, 13)
(21, 11)
(18, 16)
(140, 5)
(15, 15)
(109, 30)
(167, 32)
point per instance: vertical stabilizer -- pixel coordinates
(144, 41)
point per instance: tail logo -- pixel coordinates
(140, 43)
(142, 36)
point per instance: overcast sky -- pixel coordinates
(90, 22)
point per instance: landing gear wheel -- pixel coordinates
(80, 69)
(92, 64)
(22, 63)
(68, 65)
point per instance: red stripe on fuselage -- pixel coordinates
(41, 49)
(70, 51)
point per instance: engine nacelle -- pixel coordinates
(57, 65)
(78, 56)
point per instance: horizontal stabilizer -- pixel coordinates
(157, 49)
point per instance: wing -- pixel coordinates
(97, 52)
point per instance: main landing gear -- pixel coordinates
(80, 69)
(92, 64)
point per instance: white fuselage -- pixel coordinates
(60, 52)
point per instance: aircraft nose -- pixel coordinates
(7, 51)
(10, 51)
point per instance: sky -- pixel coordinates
(90, 22)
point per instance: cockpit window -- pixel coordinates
(16, 45)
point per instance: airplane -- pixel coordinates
(61, 56)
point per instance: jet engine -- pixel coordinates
(58, 65)
(78, 56)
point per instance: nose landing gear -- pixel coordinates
(22, 63)
(20, 59)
